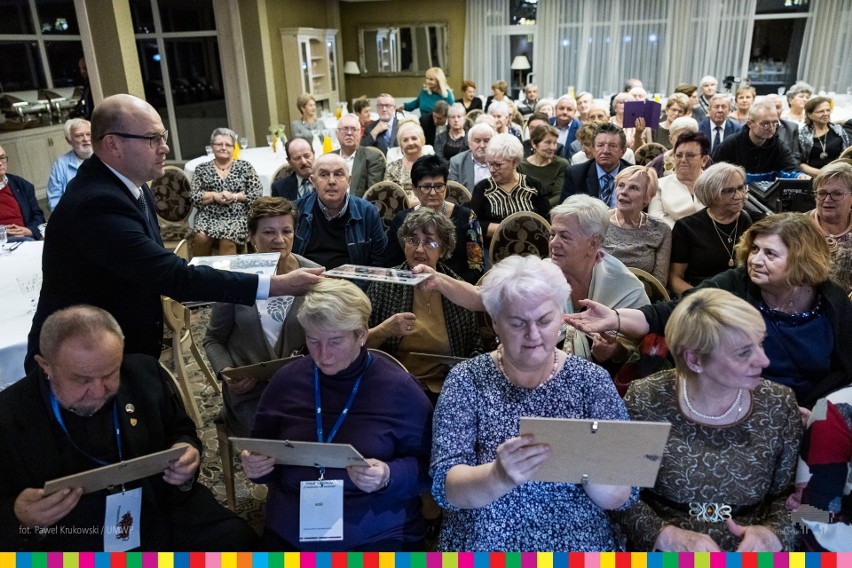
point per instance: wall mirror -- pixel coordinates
(402, 49)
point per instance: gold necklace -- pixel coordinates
(830, 238)
(732, 239)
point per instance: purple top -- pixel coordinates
(390, 420)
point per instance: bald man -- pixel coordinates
(336, 227)
(105, 247)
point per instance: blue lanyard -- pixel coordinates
(343, 413)
(55, 405)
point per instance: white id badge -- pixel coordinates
(321, 510)
(122, 521)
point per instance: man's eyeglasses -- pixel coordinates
(834, 195)
(385, 105)
(435, 188)
(4, 158)
(689, 156)
(769, 125)
(154, 140)
(731, 191)
(414, 242)
(348, 129)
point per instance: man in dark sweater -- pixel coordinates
(757, 148)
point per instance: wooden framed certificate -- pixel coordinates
(308, 454)
(117, 473)
(609, 452)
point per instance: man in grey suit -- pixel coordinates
(366, 166)
(382, 133)
(469, 167)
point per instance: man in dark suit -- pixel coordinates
(469, 167)
(367, 167)
(88, 406)
(597, 177)
(566, 124)
(300, 156)
(104, 247)
(435, 122)
(718, 126)
(19, 209)
(381, 133)
(788, 131)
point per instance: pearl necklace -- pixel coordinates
(736, 404)
(621, 225)
(549, 377)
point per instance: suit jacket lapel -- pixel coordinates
(358, 177)
(153, 224)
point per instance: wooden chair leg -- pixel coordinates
(227, 455)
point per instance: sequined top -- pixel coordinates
(748, 466)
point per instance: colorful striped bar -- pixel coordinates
(423, 560)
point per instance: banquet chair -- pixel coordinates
(653, 287)
(376, 151)
(647, 152)
(389, 198)
(283, 171)
(177, 319)
(226, 450)
(523, 232)
(171, 197)
(457, 193)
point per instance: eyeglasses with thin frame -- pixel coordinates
(731, 191)
(434, 188)
(428, 244)
(154, 140)
(687, 156)
(222, 145)
(768, 125)
(348, 129)
(495, 165)
(834, 195)
(385, 105)
(4, 158)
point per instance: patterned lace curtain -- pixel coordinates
(486, 44)
(828, 32)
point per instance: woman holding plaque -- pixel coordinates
(344, 394)
(481, 466)
(731, 457)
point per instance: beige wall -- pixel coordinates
(354, 14)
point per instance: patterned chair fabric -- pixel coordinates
(523, 232)
(389, 198)
(282, 172)
(171, 196)
(653, 287)
(647, 152)
(457, 193)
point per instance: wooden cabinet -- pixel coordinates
(32, 153)
(311, 66)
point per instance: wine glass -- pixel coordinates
(30, 285)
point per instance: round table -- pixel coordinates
(17, 319)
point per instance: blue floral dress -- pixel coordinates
(478, 410)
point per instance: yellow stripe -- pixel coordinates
(449, 560)
(797, 560)
(70, 560)
(607, 560)
(638, 560)
(165, 560)
(291, 560)
(544, 560)
(7, 560)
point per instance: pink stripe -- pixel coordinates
(465, 559)
(686, 560)
(717, 560)
(529, 559)
(212, 560)
(149, 560)
(54, 560)
(592, 560)
(86, 560)
(434, 560)
(307, 560)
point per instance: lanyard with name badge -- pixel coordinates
(122, 516)
(321, 501)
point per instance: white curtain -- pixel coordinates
(719, 38)
(486, 47)
(828, 32)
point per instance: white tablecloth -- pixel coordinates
(16, 320)
(264, 160)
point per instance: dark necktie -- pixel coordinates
(606, 188)
(144, 205)
(718, 138)
(305, 188)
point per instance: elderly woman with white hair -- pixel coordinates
(676, 196)
(507, 191)
(411, 140)
(502, 114)
(342, 393)
(481, 466)
(453, 140)
(223, 190)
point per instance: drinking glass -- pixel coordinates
(30, 285)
